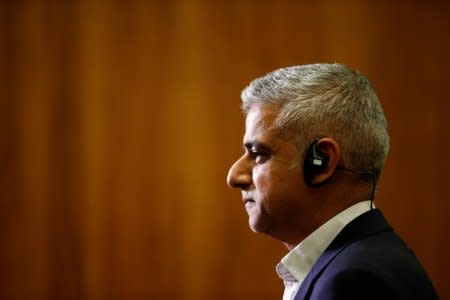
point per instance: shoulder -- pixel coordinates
(379, 266)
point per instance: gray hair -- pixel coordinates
(326, 100)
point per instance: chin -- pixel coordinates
(258, 225)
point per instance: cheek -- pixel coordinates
(271, 182)
(273, 174)
(278, 186)
(263, 178)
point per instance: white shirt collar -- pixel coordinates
(298, 262)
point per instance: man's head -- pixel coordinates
(287, 110)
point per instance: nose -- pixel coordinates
(240, 175)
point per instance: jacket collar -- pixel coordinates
(369, 223)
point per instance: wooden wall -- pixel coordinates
(119, 120)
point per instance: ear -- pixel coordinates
(330, 148)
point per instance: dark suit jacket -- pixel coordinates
(367, 260)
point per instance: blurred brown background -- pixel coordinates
(119, 120)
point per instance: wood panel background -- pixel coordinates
(119, 120)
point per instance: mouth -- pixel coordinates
(248, 201)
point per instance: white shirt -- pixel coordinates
(294, 267)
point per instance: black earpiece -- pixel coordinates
(315, 162)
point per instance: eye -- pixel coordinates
(258, 157)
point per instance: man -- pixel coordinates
(315, 143)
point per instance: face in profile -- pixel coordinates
(269, 176)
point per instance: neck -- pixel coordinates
(329, 201)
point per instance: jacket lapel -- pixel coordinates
(369, 223)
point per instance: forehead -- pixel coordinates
(261, 122)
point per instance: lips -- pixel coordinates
(248, 200)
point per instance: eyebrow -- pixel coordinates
(256, 144)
